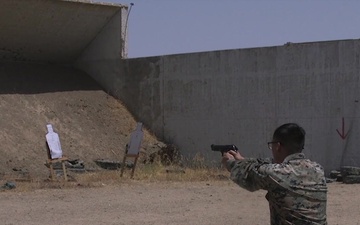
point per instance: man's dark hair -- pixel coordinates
(291, 136)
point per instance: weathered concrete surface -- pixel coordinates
(138, 83)
(102, 57)
(53, 31)
(240, 96)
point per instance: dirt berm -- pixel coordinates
(91, 123)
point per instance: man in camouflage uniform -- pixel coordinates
(296, 186)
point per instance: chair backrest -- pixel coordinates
(135, 140)
(53, 142)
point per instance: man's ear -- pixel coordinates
(278, 146)
(282, 149)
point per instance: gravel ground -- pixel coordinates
(138, 202)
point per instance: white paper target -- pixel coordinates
(53, 141)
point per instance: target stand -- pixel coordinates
(54, 153)
(132, 149)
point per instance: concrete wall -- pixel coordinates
(103, 55)
(48, 31)
(240, 97)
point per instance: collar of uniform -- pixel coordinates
(294, 156)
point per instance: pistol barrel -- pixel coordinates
(223, 148)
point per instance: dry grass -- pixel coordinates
(196, 170)
(155, 172)
(158, 172)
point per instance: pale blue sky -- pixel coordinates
(162, 27)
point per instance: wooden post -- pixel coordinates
(133, 169)
(123, 165)
(51, 162)
(64, 170)
(124, 162)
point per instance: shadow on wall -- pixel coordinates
(22, 78)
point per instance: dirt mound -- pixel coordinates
(91, 124)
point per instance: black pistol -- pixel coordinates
(223, 148)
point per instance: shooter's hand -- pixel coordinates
(230, 155)
(225, 157)
(236, 155)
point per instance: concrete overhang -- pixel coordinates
(52, 31)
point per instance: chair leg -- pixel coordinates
(52, 172)
(133, 170)
(123, 166)
(64, 170)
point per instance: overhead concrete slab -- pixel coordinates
(54, 31)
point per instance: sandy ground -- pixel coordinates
(138, 202)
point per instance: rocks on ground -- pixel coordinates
(346, 174)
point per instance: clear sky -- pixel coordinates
(162, 27)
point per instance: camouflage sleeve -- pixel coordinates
(245, 173)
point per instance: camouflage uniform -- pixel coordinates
(296, 188)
